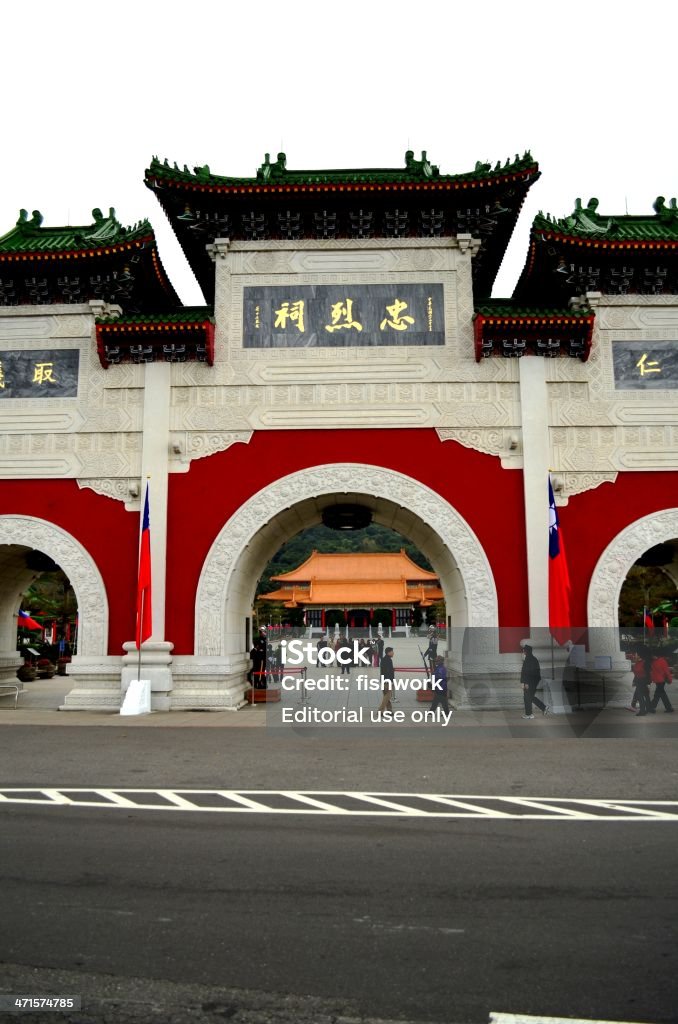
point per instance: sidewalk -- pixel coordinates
(40, 700)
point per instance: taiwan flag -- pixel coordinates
(144, 606)
(648, 621)
(559, 577)
(26, 622)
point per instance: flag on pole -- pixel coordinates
(648, 621)
(144, 605)
(559, 577)
(26, 622)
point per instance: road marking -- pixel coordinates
(329, 802)
(523, 1018)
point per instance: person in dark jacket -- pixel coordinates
(642, 676)
(257, 674)
(387, 676)
(440, 686)
(530, 677)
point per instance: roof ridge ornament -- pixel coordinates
(587, 221)
(665, 213)
(25, 224)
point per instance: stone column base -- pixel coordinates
(96, 684)
(10, 661)
(155, 664)
(209, 684)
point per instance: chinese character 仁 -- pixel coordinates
(645, 367)
(293, 311)
(397, 321)
(343, 310)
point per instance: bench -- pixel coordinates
(7, 689)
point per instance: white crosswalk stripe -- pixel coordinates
(346, 803)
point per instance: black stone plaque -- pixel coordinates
(343, 316)
(645, 365)
(39, 373)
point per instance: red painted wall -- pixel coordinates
(102, 525)
(488, 497)
(590, 521)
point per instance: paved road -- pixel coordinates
(308, 917)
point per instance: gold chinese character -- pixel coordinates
(43, 374)
(2, 376)
(645, 367)
(293, 312)
(397, 322)
(345, 310)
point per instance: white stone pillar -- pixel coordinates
(156, 662)
(536, 459)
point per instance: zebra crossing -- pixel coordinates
(345, 803)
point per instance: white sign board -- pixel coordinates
(578, 656)
(138, 698)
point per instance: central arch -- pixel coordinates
(260, 526)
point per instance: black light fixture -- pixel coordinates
(660, 554)
(347, 517)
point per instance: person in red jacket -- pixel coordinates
(641, 677)
(660, 673)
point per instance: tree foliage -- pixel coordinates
(646, 587)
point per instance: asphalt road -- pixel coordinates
(311, 918)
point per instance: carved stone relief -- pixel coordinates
(618, 558)
(80, 568)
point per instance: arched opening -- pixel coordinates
(47, 620)
(648, 600)
(349, 572)
(625, 551)
(21, 539)
(257, 530)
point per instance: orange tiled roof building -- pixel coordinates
(357, 584)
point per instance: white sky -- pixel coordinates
(92, 90)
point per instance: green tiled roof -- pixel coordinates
(30, 236)
(185, 315)
(587, 223)
(506, 308)
(276, 173)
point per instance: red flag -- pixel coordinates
(144, 605)
(559, 577)
(26, 622)
(648, 620)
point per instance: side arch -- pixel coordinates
(617, 559)
(79, 566)
(231, 568)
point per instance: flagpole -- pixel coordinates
(141, 612)
(142, 591)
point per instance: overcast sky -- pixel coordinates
(91, 91)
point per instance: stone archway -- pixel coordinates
(619, 556)
(84, 576)
(253, 534)
(605, 587)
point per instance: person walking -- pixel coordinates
(440, 686)
(346, 651)
(642, 675)
(431, 652)
(387, 678)
(660, 674)
(530, 677)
